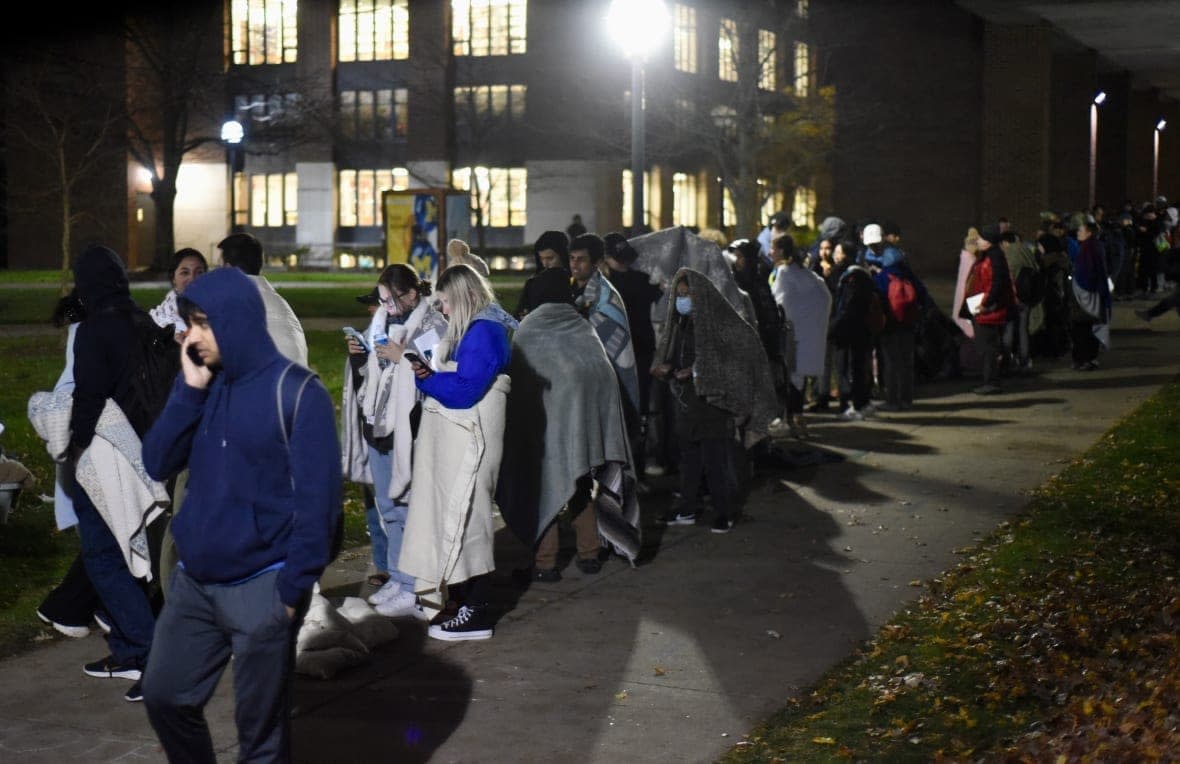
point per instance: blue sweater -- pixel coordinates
(482, 354)
(243, 513)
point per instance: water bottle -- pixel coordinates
(380, 338)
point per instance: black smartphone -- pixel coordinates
(416, 359)
(193, 355)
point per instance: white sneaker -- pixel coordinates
(402, 603)
(75, 632)
(388, 590)
(851, 415)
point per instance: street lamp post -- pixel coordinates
(1098, 101)
(638, 26)
(1155, 158)
(232, 134)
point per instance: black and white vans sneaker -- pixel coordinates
(469, 623)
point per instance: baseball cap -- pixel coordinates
(372, 298)
(872, 234)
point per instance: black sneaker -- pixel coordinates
(590, 566)
(108, 668)
(135, 694)
(722, 524)
(469, 623)
(546, 575)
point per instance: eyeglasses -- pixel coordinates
(393, 299)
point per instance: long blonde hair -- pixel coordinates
(467, 293)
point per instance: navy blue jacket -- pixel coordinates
(243, 512)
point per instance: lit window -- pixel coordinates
(802, 70)
(263, 109)
(360, 194)
(500, 193)
(801, 8)
(273, 200)
(489, 27)
(374, 30)
(728, 210)
(484, 101)
(684, 41)
(647, 198)
(766, 60)
(773, 199)
(803, 213)
(727, 51)
(241, 199)
(684, 199)
(374, 115)
(264, 31)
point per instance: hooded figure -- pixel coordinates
(242, 513)
(565, 420)
(731, 370)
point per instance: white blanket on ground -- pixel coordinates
(807, 303)
(449, 529)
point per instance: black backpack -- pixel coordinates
(154, 363)
(1031, 286)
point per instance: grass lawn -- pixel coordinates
(1057, 638)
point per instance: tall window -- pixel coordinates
(374, 115)
(774, 199)
(802, 70)
(374, 30)
(483, 101)
(684, 41)
(802, 8)
(274, 199)
(767, 63)
(728, 209)
(804, 211)
(360, 194)
(685, 199)
(727, 51)
(264, 31)
(648, 202)
(501, 192)
(489, 27)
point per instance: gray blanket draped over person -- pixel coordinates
(731, 370)
(565, 420)
(663, 253)
(603, 306)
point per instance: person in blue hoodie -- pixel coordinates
(896, 343)
(256, 528)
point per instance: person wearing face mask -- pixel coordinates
(717, 370)
(187, 264)
(377, 442)
(551, 250)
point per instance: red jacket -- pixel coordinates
(989, 276)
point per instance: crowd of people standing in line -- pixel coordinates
(550, 414)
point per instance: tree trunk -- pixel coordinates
(164, 196)
(66, 214)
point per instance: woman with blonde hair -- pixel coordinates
(459, 253)
(449, 531)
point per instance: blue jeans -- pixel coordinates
(123, 597)
(200, 628)
(393, 515)
(380, 549)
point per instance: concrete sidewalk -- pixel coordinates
(676, 659)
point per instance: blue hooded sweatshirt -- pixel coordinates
(250, 506)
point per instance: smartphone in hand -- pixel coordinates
(357, 337)
(416, 360)
(194, 356)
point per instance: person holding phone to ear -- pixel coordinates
(378, 441)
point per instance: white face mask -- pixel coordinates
(684, 305)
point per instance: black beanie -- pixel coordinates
(991, 234)
(552, 285)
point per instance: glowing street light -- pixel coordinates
(1098, 101)
(639, 28)
(1155, 158)
(232, 134)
